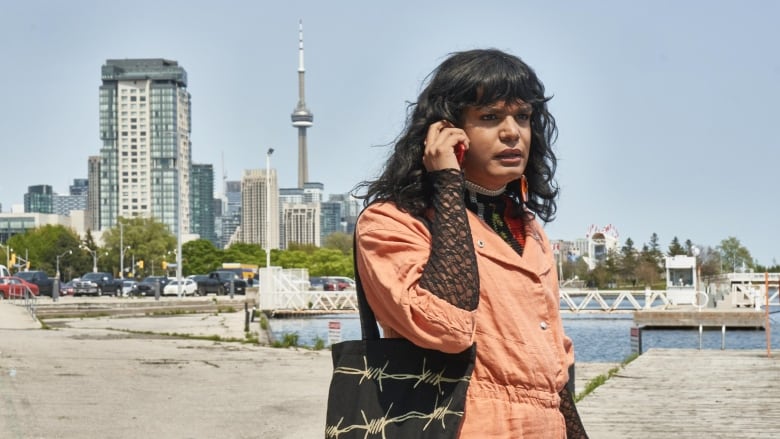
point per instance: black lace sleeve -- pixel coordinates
(574, 427)
(451, 271)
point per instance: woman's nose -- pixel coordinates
(510, 130)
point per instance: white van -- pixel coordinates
(4, 271)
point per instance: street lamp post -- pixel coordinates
(268, 219)
(178, 226)
(121, 250)
(68, 252)
(94, 256)
(179, 213)
(8, 251)
(55, 294)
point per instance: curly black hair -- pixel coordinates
(469, 78)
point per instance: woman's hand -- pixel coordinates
(440, 143)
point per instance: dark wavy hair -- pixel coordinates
(470, 78)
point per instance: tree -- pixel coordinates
(733, 255)
(340, 241)
(42, 245)
(689, 247)
(647, 272)
(244, 253)
(675, 248)
(628, 262)
(708, 261)
(575, 268)
(149, 240)
(200, 256)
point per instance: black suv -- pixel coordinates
(146, 287)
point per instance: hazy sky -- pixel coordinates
(666, 109)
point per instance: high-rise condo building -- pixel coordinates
(203, 202)
(92, 215)
(145, 128)
(257, 226)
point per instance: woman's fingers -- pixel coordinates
(440, 145)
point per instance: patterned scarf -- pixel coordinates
(495, 209)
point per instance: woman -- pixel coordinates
(450, 253)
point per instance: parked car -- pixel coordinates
(14, 287)
(208, 285)
(147, 286)
(316, 283)
(129, 287)
(338, 283)
(227, 277)
(40, 278)
(98, 284)
(66, 289)
(188, 288)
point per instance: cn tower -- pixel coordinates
(301, 117)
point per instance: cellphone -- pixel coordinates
(460, 151)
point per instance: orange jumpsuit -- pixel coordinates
(523, 355)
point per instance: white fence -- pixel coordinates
(288, 289)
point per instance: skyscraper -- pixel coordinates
(203, 201)
(145, 159)
(301, 117)
(39, 199)
(92, 216)
(256, 226)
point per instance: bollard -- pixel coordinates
(157, 290)
(232, 288)
(246, 317)
(636, 340)
(55, 290)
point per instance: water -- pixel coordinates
(597, 338)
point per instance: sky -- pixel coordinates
(666, 110)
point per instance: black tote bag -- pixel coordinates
(391, 388)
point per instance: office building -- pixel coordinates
(145, 129)
(76, 199)
(39, 199)
(80, 186)
(301, 223)
(257, 226)
(230, 218)
(331, 219)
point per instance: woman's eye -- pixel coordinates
(523, 116)
(488, 117)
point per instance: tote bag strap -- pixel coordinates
(368, 325)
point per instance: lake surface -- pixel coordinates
(597, 338)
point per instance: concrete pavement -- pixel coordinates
(123, 377)
(13, 316)
(91, 378)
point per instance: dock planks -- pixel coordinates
(688, 393)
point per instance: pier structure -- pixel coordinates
(688, 393)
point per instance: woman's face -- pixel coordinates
(499, 143)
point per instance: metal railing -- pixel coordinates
(623, 301)
(21, 294)
(571, 299)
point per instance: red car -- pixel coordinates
(14, 287)
(337, 283)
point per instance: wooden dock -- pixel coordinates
(688, 394)
(689, 316)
